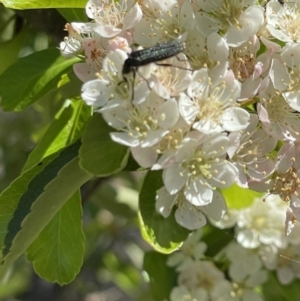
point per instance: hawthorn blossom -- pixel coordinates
(169, 22)
(188, 215)
(199, 168)
(210, 105)
(278, 118)
(203, 280)
(246, 272)
(237, 19)
(246, 67)
(113, 17)
(144, 124)
(206, 52)
(262, 223)
(283, 20)
(192, 249)
(249, 152)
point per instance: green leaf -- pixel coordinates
(29, 4)
(164, 234)
(10, 197)
(31, 78)
(100, 155)
(11, 49)
(57, 253)
(162, 277)
(47, 193)
(74, 14)
(238, 198)
(273, 290)
(66, 128)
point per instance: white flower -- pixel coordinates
(283, 20)
(249, 150)
(203, 276)
(262, 223)
(72, 44)
(246, 67)
(187, 215)
(200, 167)
(243, 262)
(113, 17)
(169, 22)
(210, 52)
(171, 76)
(211, 104)
(141, 125)
(277, 117)
(287, 181)
(191, 249)
(237, 19)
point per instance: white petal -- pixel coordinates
(125, 139)
(164, 202)
(189, 217)
(235, 119)
(217, 208)
(173, 179)
(145, 157)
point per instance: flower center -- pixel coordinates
(286, 184)
(228, 13)
(212, 108)
(288, 21)
(110, 13)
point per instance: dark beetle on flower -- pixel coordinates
(152, 54)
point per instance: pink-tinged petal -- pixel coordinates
(145, 157)
(174, 178)
(263, 114)
(261, 170)
(132, 17)
(217, 208)
(107, 31)
(260, 186)
(250, 88)
(164, 202)
(235, 119)
(83, 72)
(189, 217)
(125, 139)
(285, 157)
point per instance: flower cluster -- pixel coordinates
(241, 267)
(213, 115)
